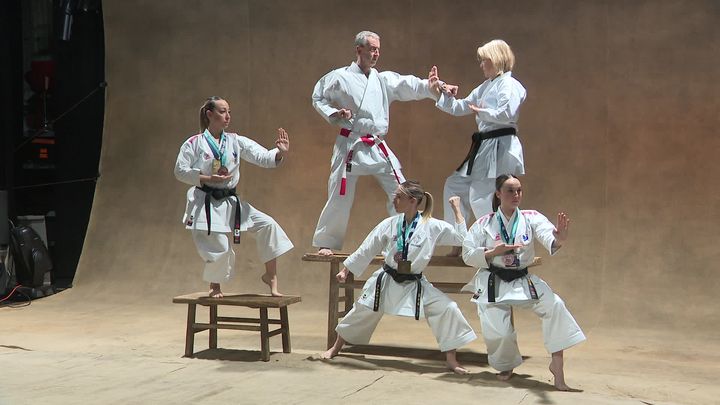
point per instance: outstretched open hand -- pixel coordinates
(283, 141)
(563, 226)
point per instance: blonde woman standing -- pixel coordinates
(495, 148)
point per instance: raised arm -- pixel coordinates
(454, 235)
(510, 96)
(406, 87)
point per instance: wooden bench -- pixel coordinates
(261, 302)
(350, 284)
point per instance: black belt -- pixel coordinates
(219, 194)
(477, 139)
(507, 275)
(400, 278)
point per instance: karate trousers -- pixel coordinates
(216, 249)
(475, 196)
(332, 225)
(448, 325)
(560, 331)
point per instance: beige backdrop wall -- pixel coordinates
(619, 130)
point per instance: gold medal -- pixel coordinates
(404, 267)
(216, 166)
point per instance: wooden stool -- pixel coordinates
(262, 302)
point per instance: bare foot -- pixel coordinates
(556, 368)
(453, 364)
(329, 354)
(504, 375)
(457, 369)
(455, 252)
(325, 252)
(272, 282)
(215, 291)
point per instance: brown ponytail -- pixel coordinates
(209, 105)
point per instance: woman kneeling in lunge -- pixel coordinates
(500, 245)
(210, 161)
(399, 287)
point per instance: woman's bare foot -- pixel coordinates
(330, 353)
(455, 252)
(215, 291)
(335, 349)
(505, 375)
(556, 368)
(452, 363)
(272, 283)
(325, 252)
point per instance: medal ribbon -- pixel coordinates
(217, 150)
(509, 239)
(405, 233)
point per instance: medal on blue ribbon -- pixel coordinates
(219, 162)
(404, 233)
(511, 259)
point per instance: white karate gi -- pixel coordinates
(501, 99)
(560, 331)
(196, 158)
(369, 100)
(450, 328)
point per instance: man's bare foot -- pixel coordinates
(455, 252)
(215, 291)
(325, 252)
(272, 283)
(556, 368)
(504, 375)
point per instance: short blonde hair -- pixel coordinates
(499, 53)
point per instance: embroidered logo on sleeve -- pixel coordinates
(189, 221)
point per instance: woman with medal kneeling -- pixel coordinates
(500, 245)
(210, 162)
(399, 287)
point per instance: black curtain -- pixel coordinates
(79, 101)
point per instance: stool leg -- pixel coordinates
(213, 332)
(190, 331)
(285, 325)
(333, 295)
(264, 338)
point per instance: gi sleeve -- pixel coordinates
(543, 230)
(371, 246)
(253, 152)
(405, 87)
(473, 247)
(452, 235)
(509, 99)
(456, 107)
(323, 95)
(184, 170)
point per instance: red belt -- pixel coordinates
(369, 140)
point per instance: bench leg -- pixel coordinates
(212, 343)
(285, 325)
(264, 335)
(190, 331)
(333, 295)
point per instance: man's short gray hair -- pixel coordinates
(361, 37)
